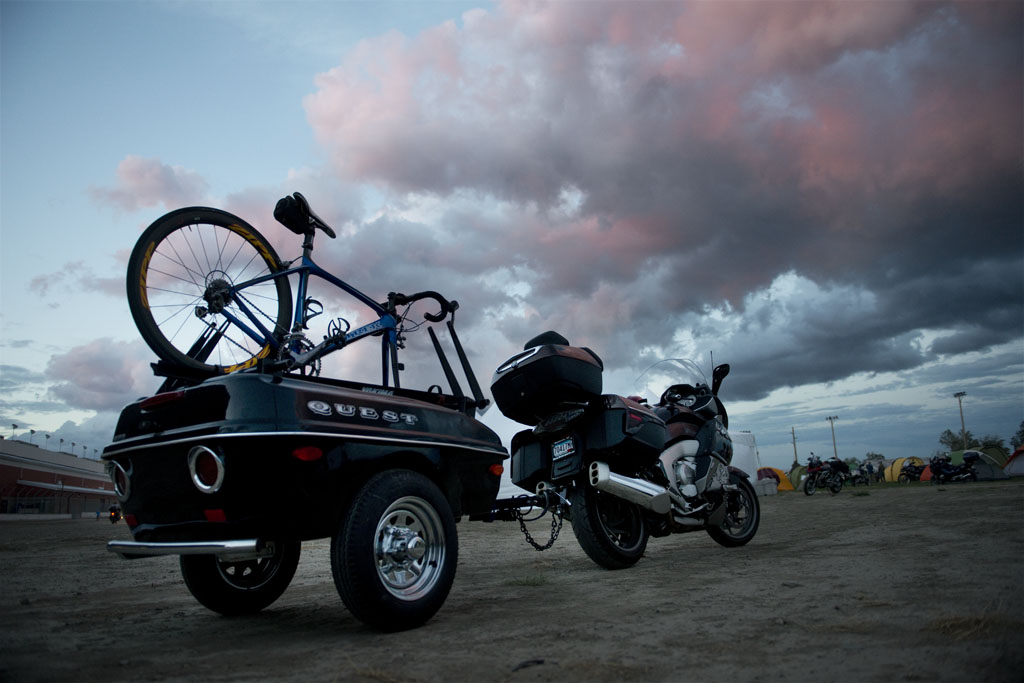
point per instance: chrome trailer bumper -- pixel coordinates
(248, 549)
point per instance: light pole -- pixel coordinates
(832, 422)
(959, 396)
(796, 460)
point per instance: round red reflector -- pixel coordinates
(206, 468)
(122, 480)
(496, 470)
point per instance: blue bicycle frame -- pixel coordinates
(386, 325)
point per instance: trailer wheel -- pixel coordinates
(394, 555)
(237, 587)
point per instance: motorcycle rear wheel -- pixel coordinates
(742, 517)
(610, 530)
(904, 478)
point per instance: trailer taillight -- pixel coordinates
(496, 470)
(307, 453)
(160, 399)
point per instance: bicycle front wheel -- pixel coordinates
(186, 280)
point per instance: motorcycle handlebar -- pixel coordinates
(398, 299)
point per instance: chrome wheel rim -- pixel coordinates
(409, 548)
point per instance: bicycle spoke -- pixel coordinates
(188, 301)
(180, 261)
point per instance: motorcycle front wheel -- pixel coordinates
(810, 485)
(742, 516)
(610, 530)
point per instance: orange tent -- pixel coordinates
(780, 477)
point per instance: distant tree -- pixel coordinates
(854, 463)
(1017, 440)
(954, 441)
(874, 456)
(991, 440)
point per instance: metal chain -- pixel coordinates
(556, 527)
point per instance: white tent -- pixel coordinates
(746, 458)
(1014, 467)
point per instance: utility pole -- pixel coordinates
(796, 460)
(959, 396)
(832, 422)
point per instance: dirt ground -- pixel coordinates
(884, 583)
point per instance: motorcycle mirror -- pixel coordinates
(717, 375)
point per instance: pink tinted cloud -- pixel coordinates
(143, 182)
(103, 374)
(531, 97)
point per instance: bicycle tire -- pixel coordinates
(175, 270)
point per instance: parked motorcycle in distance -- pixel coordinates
(115, 514)
(943, 471)
(910, 472)
(828, 475)
(623, 470)
(860, 476)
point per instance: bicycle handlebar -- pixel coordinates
(398, 299)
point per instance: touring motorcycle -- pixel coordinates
(910, 472)
(943, 471)
(622, 469)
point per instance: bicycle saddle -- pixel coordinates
(294, 213)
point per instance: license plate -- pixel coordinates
(562, 449)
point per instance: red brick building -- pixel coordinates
(34, 480)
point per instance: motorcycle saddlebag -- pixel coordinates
(541, 380)
(544, 457)
(623, 432)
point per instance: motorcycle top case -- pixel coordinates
(544, 379)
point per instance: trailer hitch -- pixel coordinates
(547, 500)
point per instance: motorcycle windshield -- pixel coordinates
(653, 381)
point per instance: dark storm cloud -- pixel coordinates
(643, 164)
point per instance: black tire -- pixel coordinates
(810, 485)
(395, 553)
(971, 476)
(742, 516)
(610, 530)
(233, 587)
(835, 486)
(904, 478)
(181, 263)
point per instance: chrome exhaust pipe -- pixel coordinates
(645, 494)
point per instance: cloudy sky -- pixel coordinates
(827, 196)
